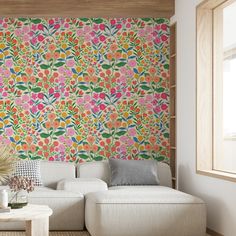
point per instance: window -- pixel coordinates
(216, 88)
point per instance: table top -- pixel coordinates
(29, 212)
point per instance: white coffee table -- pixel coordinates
(36, 218)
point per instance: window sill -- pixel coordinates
(218, 174)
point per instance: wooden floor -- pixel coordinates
(72, 233)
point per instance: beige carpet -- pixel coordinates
(72, 233)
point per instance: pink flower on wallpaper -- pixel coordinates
(79, 32)
(4, 94)
(34, 109)
(95, 40)
(87, 98)
(80, 101)
(26, 38)
(149, 97)
(40, 95)
(102, 107)
(69, 142)
(7, 73)
(102, 27)
(25, 98)
(40, 106)
(164, 95)
(141, 101)
(40, 27)
(68, 73)
(34, 41)
(102, 95)
(25, 29)
(18, 32)
(56, 26)
(130, 142)
(25, 106)
(66, 25)
(70, 132)
(40, 38)
(18, 101)
(95, 109)
(61, 148)
(56, 95)
(118, 95)
(132, 63)
(164, 107)
(70, 63)
(9, 132)
(87, 106)
(61, 139)
(9, 63)
(132, 132)
(102, 38)
(87, 29)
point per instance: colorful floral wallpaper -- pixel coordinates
(85, 89)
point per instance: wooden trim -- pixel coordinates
(87, 8)
(213, 233)
(218, 174)
(205, 87)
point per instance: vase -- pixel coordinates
(18, 200)
(3, 198)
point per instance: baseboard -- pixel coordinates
(213, 233)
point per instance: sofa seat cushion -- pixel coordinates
(147, 210)
(144, 194)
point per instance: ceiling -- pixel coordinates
(87, 8)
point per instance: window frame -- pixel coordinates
(207, 70)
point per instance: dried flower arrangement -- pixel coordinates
(7, 161)
(16, 184)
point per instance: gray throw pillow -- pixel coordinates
(133, 172)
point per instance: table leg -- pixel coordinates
(39, 227)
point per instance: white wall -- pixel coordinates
(219, 195)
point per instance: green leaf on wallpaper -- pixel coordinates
(98, 158)
(58, 64)
(166, 135)
(106, 135)
(22, 19)
(159, 90)
(36, 21)
(44, 135)
(84, 19)
(36, 157)
(144, 156)
(98, 21)
(44, 67)
(36, 90)
(83, 156)
(97, 90)
(120, 64)
(160, 21)
(22, 156)
(166, 66)
(21, 87)
(83, 87)
(121, 133)
(106, 67)
(144, 87)
(58, 133)
(146, 19)
(160, 158)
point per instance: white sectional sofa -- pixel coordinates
(115, 211)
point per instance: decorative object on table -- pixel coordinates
(19, 185)
(3, 199)
(7, 161)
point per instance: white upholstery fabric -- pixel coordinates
(101, 170)
(82, 185)
(139, 211)
(68, 209)
(52, 172)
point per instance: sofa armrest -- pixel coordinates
(82, 185)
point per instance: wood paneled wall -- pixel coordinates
(87, 8)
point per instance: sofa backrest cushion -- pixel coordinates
(52, 172)
(101, 170)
